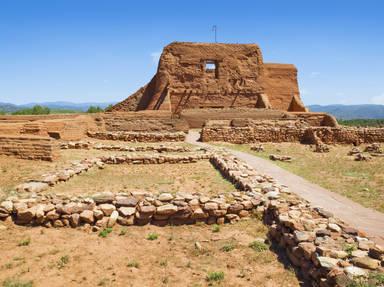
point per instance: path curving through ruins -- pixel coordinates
(365, 219)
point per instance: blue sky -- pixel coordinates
(92, 50)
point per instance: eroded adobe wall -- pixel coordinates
(68, 126)
(238, 79)
(28, 147)
(280, 83)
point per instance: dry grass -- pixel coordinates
(362, 182)
(193, 177)
(69, 257)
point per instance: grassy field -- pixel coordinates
(362, 182)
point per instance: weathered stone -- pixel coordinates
(34, 186)
(167, 209)
(129, 201)
(87, 216)
(25, 216)
(366, 262)
(353, 271)
(334, 227)
(104, 197)
(210, 206)
(130, 220)
(52, 215)
(301, 236)
(98, 214)
(308, 249)
(376, 251)
(7, 205)
(107, 208)
(127, 211)
(199, 214)
(235, 208)
(113, 218)
(165, 197)
(327, 262)
(74, 220)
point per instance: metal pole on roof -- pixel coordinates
(214, 29)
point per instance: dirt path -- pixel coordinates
(368, 220)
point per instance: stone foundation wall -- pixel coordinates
(139, 136)
(290, 131)
(28, 147)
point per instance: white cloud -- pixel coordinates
(155, 57)
(314, 74)
(378, 100)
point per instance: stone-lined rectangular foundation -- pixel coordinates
(28, 147)
(318, 244)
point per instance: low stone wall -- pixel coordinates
(326, 250)
(250, 132)
(154, 158)
(28, 147)
(146, 148)
(139, 136)
(242, 135)
(139, 208)
(344, 135)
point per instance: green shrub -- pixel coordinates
(104, 233)
(63, 261)
(93, 109)
(25, 242)
(215, 276)
(35, 110)
(258, 246)
(11, 282)
(228, 247)
(133, 263)
(215, 228)
(362, 122)
(152, 236)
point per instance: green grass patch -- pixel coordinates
(104, 233)
(152, 236)
(215, 276)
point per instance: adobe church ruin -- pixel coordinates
(205, 75)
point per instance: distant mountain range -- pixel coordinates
(347, 112)
(339, 111)
(81, 107)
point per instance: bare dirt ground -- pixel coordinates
(199, 177)
(361, 181)
(126, 257)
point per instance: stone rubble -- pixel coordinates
(285, 158)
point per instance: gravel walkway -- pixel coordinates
(368, 220)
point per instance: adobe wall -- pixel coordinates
(248, 131)
(238, 79)
(28, 147)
